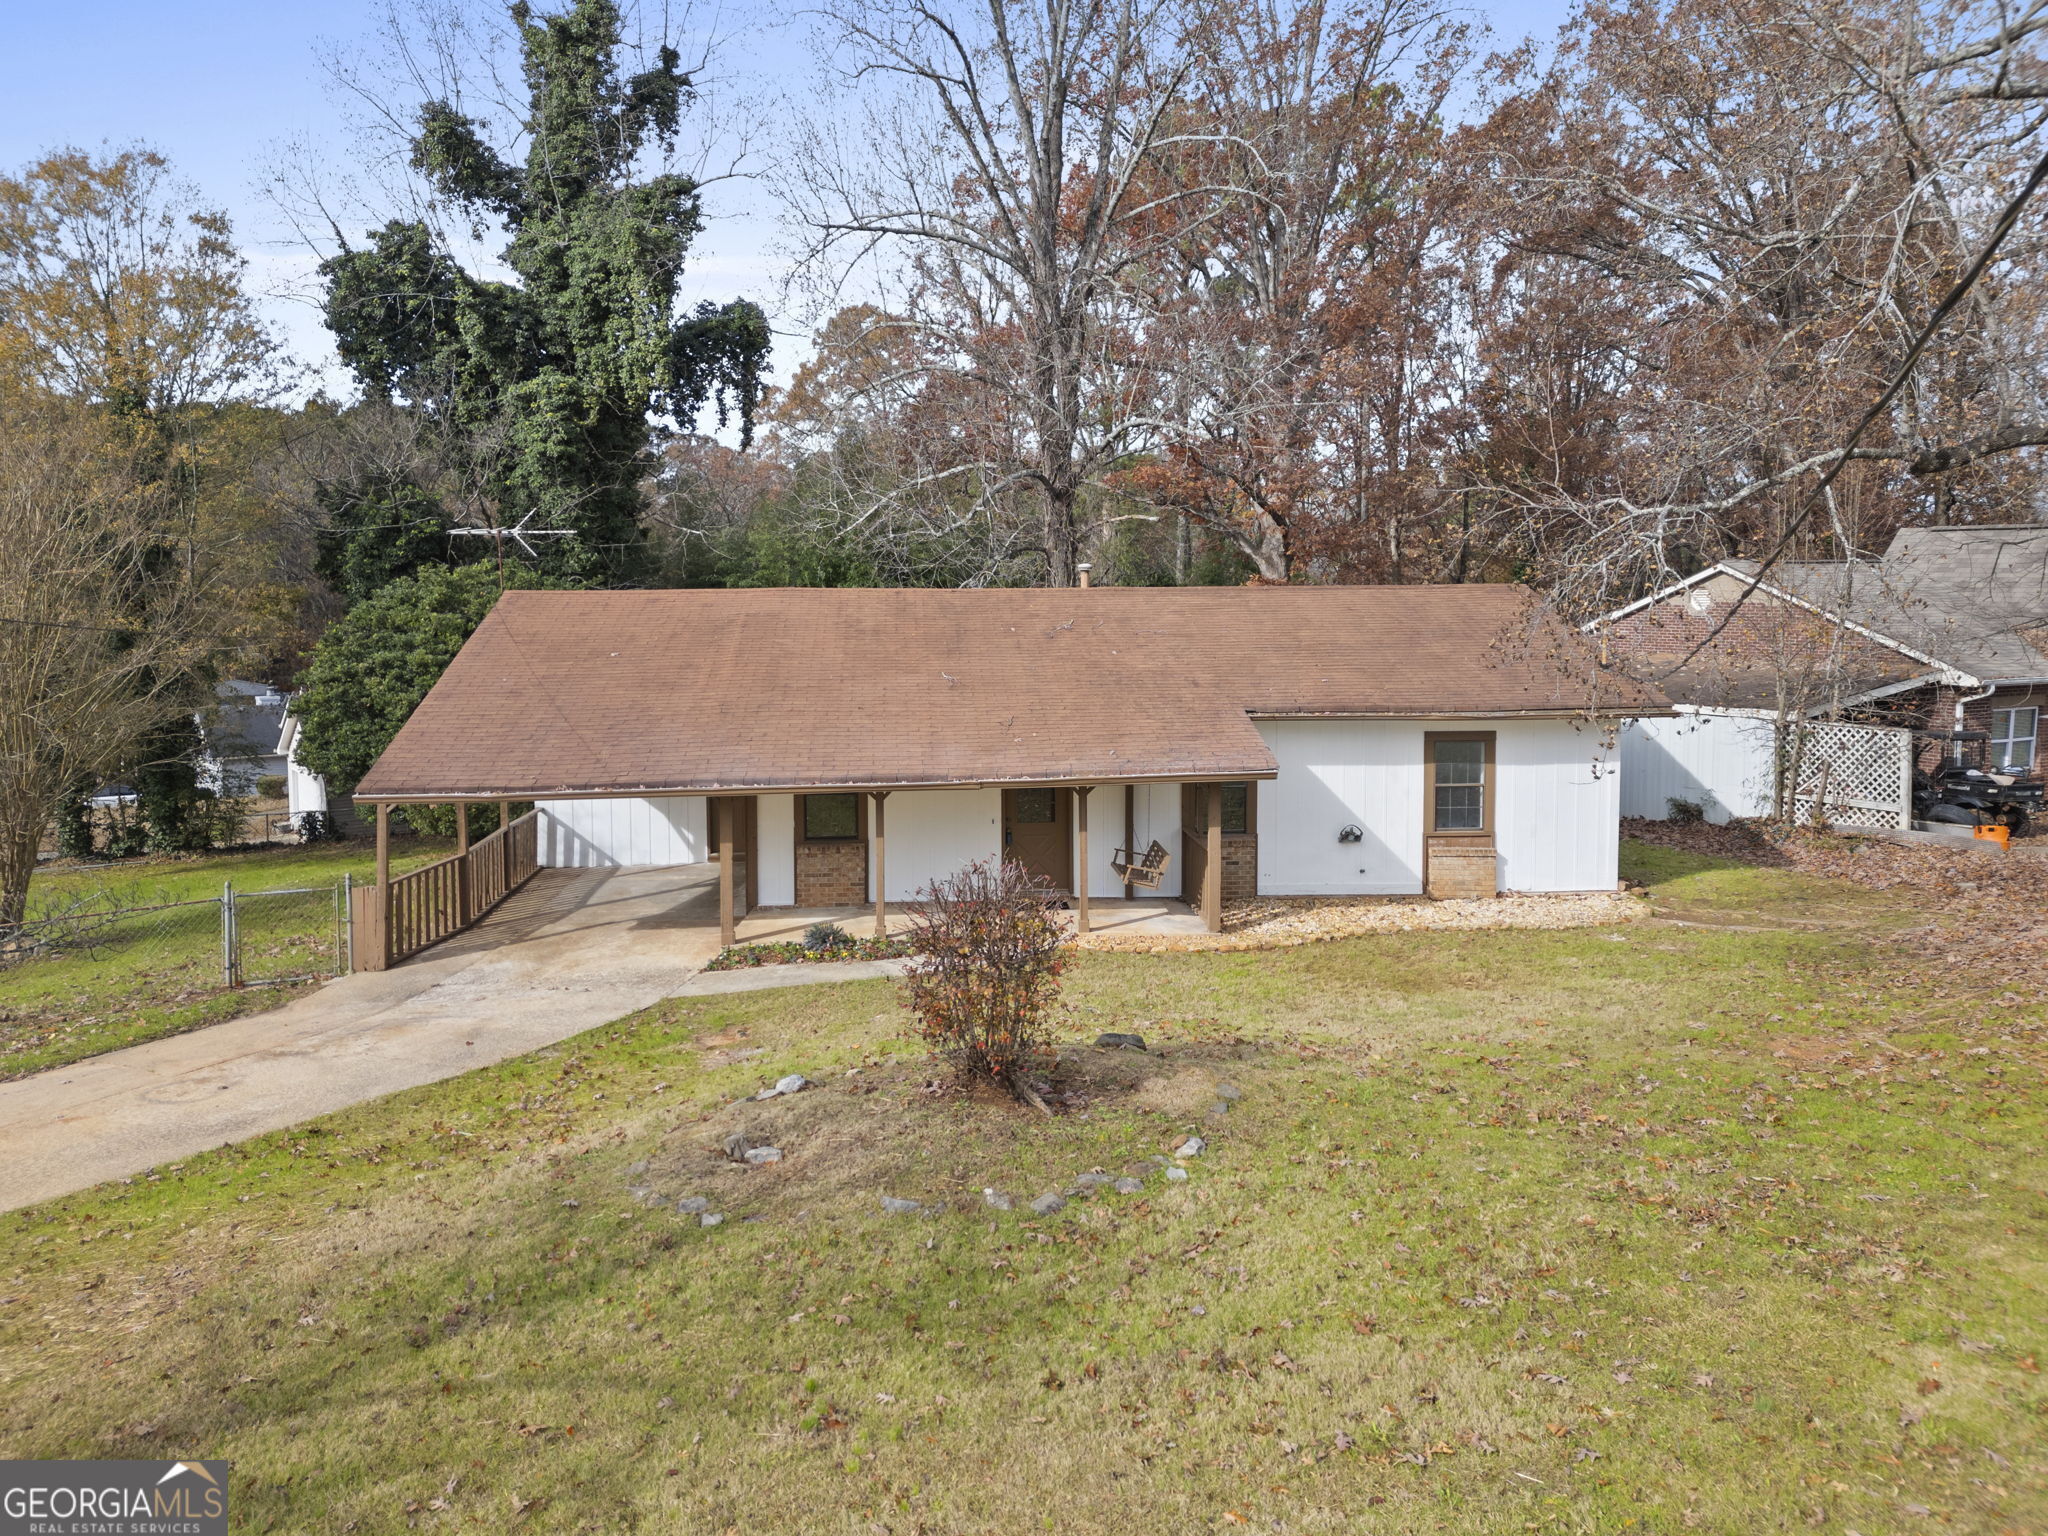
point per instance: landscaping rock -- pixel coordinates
(692, 1205)
(1177, 1175)
(640, 1192)
(738, 1144)
(1046, 1204)
(1268, 922)
(709, 1219)
(796, 1082)
(1220, 1108)
(1093, 1180)
(997, 1200)
(897, 1207)
(756, 1156)
(1114, 1041)
(1192, 1147)
(635, 1170)
(1229, 1091)
(1128, 1186)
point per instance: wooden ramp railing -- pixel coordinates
(429, 904)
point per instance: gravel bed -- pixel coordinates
(1277, 922)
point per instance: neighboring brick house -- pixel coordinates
(1947, 631)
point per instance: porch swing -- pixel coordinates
(1146, 869)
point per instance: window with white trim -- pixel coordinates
(2012, 737)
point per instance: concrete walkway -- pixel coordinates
(569, 951)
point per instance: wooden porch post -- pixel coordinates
(504, 846)
(1212, 866)
(383, 936)
(881, 869)
(727, 931)
(750, 849)
(1081, 793)
(1130, 829)
(463, 905)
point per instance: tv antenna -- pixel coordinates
(518, 533)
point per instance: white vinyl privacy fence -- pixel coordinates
(1727, 764)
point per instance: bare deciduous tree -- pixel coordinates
(1294, 332)
(1759, 208)
(1004, 158)
(98, 633)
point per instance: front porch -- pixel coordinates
(670, 916)
(1156, 855)
(1163, 915)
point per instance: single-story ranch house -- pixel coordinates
(842, 747)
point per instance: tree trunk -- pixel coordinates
(1266, 544)
(18, 842)
(1062, 537)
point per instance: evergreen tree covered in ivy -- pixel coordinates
(379, 527)
(564, 367)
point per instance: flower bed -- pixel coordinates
(745, 957)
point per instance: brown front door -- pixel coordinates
(1035, 823)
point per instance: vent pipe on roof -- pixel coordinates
(1082, 571)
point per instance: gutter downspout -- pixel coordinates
(1956, 748)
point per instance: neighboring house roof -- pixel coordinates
(703, 691)
(1975, 599)
(245, 722)
(1960, 605)
(1710, 683)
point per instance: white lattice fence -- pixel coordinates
(1862, 776)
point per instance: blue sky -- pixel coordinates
(221, 85)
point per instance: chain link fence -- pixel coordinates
(285, 935)
(235, 939)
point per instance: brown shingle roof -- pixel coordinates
(694, 691)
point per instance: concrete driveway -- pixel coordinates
(570, 950)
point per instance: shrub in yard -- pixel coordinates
(987, 972)
(825, 936)
(127, 836)
(270, 786)
(1687, 813)
(75, 838)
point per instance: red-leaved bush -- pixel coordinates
(987, 974)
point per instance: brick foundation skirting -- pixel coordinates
(1240, 867)
(1460, 870)
(832, 874)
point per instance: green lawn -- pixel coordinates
(160, 973)
(1728, 1224)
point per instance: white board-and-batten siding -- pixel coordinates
(1556, 804)
(1720, 763)
(1557, 799)
(1155, 816)
(610, 834)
